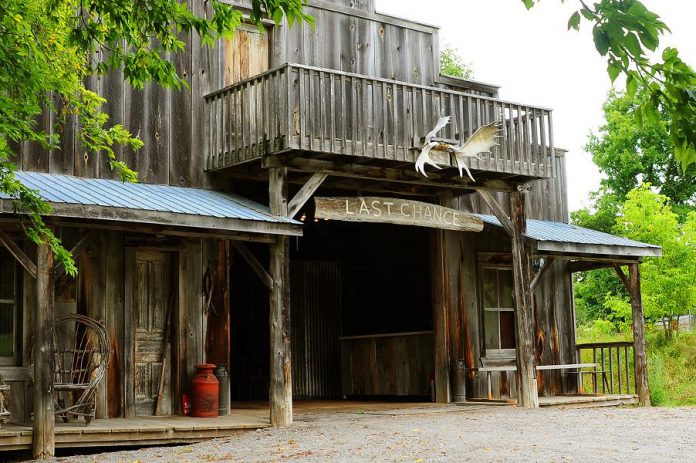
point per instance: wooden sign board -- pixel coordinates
(396, 211)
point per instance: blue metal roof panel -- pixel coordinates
(149, 197)
(543, 230)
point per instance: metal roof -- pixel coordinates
(92, 198)
(564, 237)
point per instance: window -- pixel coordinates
(497, 288)
(8, 308)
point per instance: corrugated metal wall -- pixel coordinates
(316, 326)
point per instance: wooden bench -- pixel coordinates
(498, 366)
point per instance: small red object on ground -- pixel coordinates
(204, 392)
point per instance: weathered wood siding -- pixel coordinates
(387, 365)
(357, 40)
(201, 324)
(554, 322)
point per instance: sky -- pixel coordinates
(537, 61)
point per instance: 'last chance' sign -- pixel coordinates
(395, 211)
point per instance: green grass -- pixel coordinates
(671, 363)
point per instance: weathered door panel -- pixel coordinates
(153, 299)
(246, 54)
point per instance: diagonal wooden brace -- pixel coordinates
(23, 259)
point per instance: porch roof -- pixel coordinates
(92, 199)
(567, 239)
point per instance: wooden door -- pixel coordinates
(246, 54)
(153, 298)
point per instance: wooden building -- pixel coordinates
(220, 239)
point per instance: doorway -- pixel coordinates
(151, 302)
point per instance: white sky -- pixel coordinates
(539, 62)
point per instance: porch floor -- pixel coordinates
(139, 431)
(568, 401)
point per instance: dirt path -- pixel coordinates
(446, 434)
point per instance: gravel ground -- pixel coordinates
(448, 433)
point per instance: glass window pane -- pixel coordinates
(491, 329)
(488, 286)
(507, 330)
(506, 288)
(6, 330)
(6, 275)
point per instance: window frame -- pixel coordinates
(487, 352)
(13, 360)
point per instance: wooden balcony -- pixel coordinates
(332, 114)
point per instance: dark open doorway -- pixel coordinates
(361, 310)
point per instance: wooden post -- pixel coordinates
(43, 433)
(639, 352)
(440, 326)
(527, 393)
(280, 393)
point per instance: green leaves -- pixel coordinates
(624, 31)
(451, 64)
(48, 48)
(574, 21)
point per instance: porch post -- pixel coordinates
(280, 394)
(43, 432)
(527, 393)
(639, 351)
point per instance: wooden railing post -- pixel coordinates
(280, 393)
(527, 393)
(639, 351)
(43, 427)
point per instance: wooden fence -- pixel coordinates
(297, 107)
(614, 358)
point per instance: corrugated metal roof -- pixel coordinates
(69, 190)
(559, 232)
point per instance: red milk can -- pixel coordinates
(204, 392)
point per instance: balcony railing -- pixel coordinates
(614, 358)
(297, 107)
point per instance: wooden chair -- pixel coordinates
(81, 354)
(4, 402)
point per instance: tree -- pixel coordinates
(628, 154)
(669, 282)
(625, 31)
(48, 49)
(452, 64)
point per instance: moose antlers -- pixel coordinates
(483, 139)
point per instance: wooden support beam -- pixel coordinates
(305, 193)
(59, 269)
(43, 426)
(498, 210)
(253, 263)
(351, 169)
(624, 280)
(585, 266)
(23, 259)
(280, 393)
(548, 262)
(640, 358)
(440, 317)
(527, 393)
